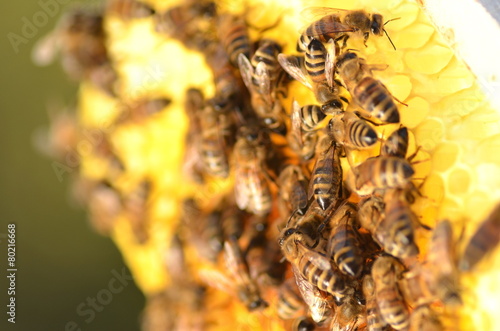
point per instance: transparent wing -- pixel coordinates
(293, 67)
(330, 62)
(264, 80)
(216, 279)
(247, 71)
(314, 257)
(315, 13)
(315, 300)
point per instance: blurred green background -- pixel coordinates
(61, 262)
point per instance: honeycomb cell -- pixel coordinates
(429, 60)
(413, 36)
(429, 133)
(406, 14)
(487, 178)
(450, 209)
(488, 149)
(433, 188)
(479, 125)
(445, 155)
(459, 181)
(459, 104)
(415, 113)
(399, 85)
(476, 199)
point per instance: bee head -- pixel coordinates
(376, 27)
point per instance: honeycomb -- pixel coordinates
(449, 118)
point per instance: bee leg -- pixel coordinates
(365, 38)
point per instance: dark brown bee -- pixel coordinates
(349, 315)
(79, 38)
(311, 116)
(441, 257)
(326, 179)
(137, 210)
(251, 190)
(261, 84)
(141, 110)
(303, 323)
(352, 132)
(293, 190)
(248, 292)
(326, 91)
(338, 24)
(290, 304)
(381, 172)
(215, 128)
(343, 243)
(366, 91)
(302, 142)
(190, 22)
(268, 52)
(385, 272)
(129, 9)
(233, 34)
(104, 205)
(375, 322)
(232, 221)
(396, 144)
(484, 240)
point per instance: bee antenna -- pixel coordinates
(389, 39)
(392, 19)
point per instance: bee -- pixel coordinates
(251, 190)
(311, 268)
(441, 257)
(311, 116)
(137, 210)
(293, 190)
(104, 205)
(375, 322)
(396, 144)
(338, 24)
(424, 318)
(129, 9)
(248, 292)
(301, 141)
(326, 90)
(326, 179)
(484, 240)
(140, 110)
(263, 95)
(393, 310)
(79, 39)
(232, 221)
(344, 244)
(268, 52)
(191, 22)
(352, 132)
(215, 128)
(369, 93)
(233, 34)
(290, 304)
(382, 172)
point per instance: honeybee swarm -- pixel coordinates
(254, 182)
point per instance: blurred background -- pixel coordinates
(62, 265)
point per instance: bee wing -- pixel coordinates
(315, 13)
(264, 81)
(315, 258)
(296, 132)
(293, 67)
(240, 188)
(45, 50)
(330, 62)
(216, 279)
(247, 71)
(312, 296)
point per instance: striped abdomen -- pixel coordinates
(384, 172)
(234, 37)
(213, 156)
(323, 30)
(398, 224)
(396, 144)
(485, 239)
(345, 246)
(289, 302)
(315, 61)
(311, 116)
(268, 52)
(329, 280)
(327, 178)
(392, 308)
(360, 134)
(374, 97)
(373, 318)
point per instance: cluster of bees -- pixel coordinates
(323, 249)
